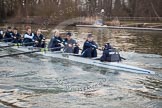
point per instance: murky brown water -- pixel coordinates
(54, 83)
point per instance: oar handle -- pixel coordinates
(45, 49)
(11, 55)
(19, 44)
(123, 58)
(5, 39)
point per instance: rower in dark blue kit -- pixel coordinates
(90, 47)
(39, 39)
(1, 34)
(28, 37)
(71, 46)
(16, 36)
(110, 54)
(55, 42)
(8, 37)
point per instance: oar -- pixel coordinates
(10, 45)
(123, 58)
(55, 48)
(30, 52)
(45, 49)
(6, 39)
(10, 55)
(19, 44)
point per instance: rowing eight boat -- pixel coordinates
(89, 61)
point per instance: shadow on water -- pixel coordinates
(148, 42)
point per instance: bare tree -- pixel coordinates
(65, 9)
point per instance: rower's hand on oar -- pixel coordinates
(44, 40)
(62, 45)
(22, 37)
(77, 44)
(100, 49)
(59, 41)
(94, 46)
(36, 42)
(70, 45)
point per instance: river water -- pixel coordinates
(55, 83)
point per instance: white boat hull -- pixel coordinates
(108, 65)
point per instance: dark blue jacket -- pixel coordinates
(8, 36)
(110, 54)
(1, 34)
(54, 42)
(40, 39)
(17, 38)
(88, 44)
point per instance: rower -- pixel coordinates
(71, 46)
(89, 47)
(110, 54)
(16, 36)
(8, 37)
(39, 39)
(28, 37)
(55, 42)
(1, 34)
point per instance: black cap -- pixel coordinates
(90, 35)
(69, 34)
(108, 46)
(107, 43)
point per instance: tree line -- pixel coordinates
(66, 9)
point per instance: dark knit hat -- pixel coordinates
(9, 28)
(15, 28)
(69, 34)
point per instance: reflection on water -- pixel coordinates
(55, 83)
(139, 41)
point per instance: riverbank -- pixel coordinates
(142, 24)
(46, 21)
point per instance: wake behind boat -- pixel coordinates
(79, 59)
